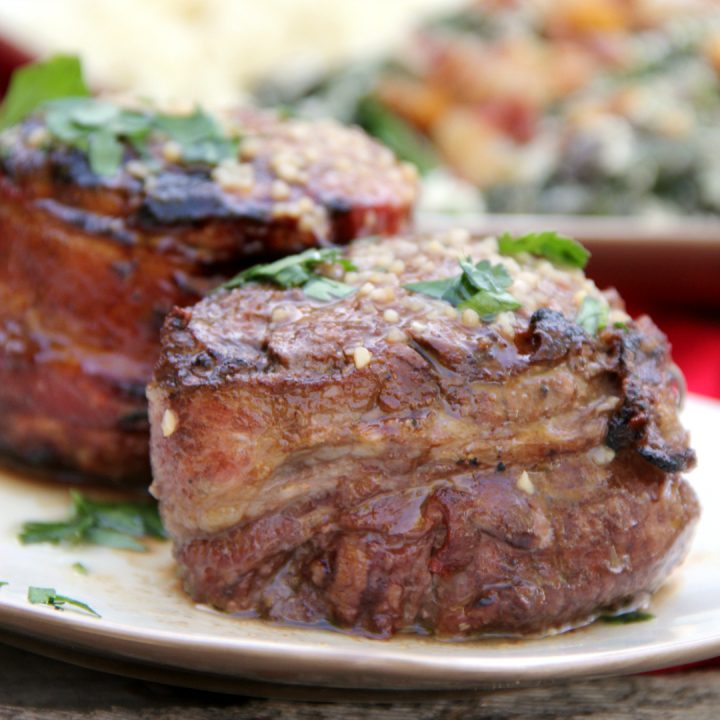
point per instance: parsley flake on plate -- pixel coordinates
(558, 249)
(299, 271)
(627, 618)
(111, 524)
(481, 287)
(49, 596)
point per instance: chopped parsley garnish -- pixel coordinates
(593, 315)
(111, 524)
(627, 618)
(299, 271)
(101, 129)
(33, 85)
(48, 596)
(200, 137)
(481, 287)
(558, 249)
(78, 567)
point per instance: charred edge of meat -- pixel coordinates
(175, 197)
(181, 198)
(635, 423)
(72, 167)
(192, 362)
(89, 222)
(550, 336)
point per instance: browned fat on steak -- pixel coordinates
(90, 266)
(387, 462)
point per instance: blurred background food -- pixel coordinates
(552, 106)
(211, 51)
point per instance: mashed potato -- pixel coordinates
(205, 50)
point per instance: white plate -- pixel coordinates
(147, 620)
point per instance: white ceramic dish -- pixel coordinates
(147, 621)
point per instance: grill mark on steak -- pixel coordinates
(91, 223)
(175, 197)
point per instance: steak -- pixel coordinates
(385, 461)
(90, 265)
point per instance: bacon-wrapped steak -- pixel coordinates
(493, 449)
(93, 256)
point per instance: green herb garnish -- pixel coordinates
(3, 583)
(33, 85)
(105, 152)
(48, 596)
(299, 271)
(111, 524)
(481, 287)
(558, 249)
(199, 136)
(78, 567)
(627, 618)
(101, 129)
(592, 316)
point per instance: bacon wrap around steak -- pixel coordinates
(90, 266)
(386, 462)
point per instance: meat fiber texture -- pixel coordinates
(90, 266)
(386, 462)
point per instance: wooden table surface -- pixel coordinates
(33, 687)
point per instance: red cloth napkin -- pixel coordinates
(695, 342)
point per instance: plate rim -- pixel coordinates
(258, 659)
(364, 663)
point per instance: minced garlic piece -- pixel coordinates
(361, 357)
(37, 137)
(171, 151)
(169, 423)
(383, 295)
(602, 455)
(470, 318)
(524, 483)
(279, 190)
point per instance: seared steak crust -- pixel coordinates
(90, 266)
(451, 476)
